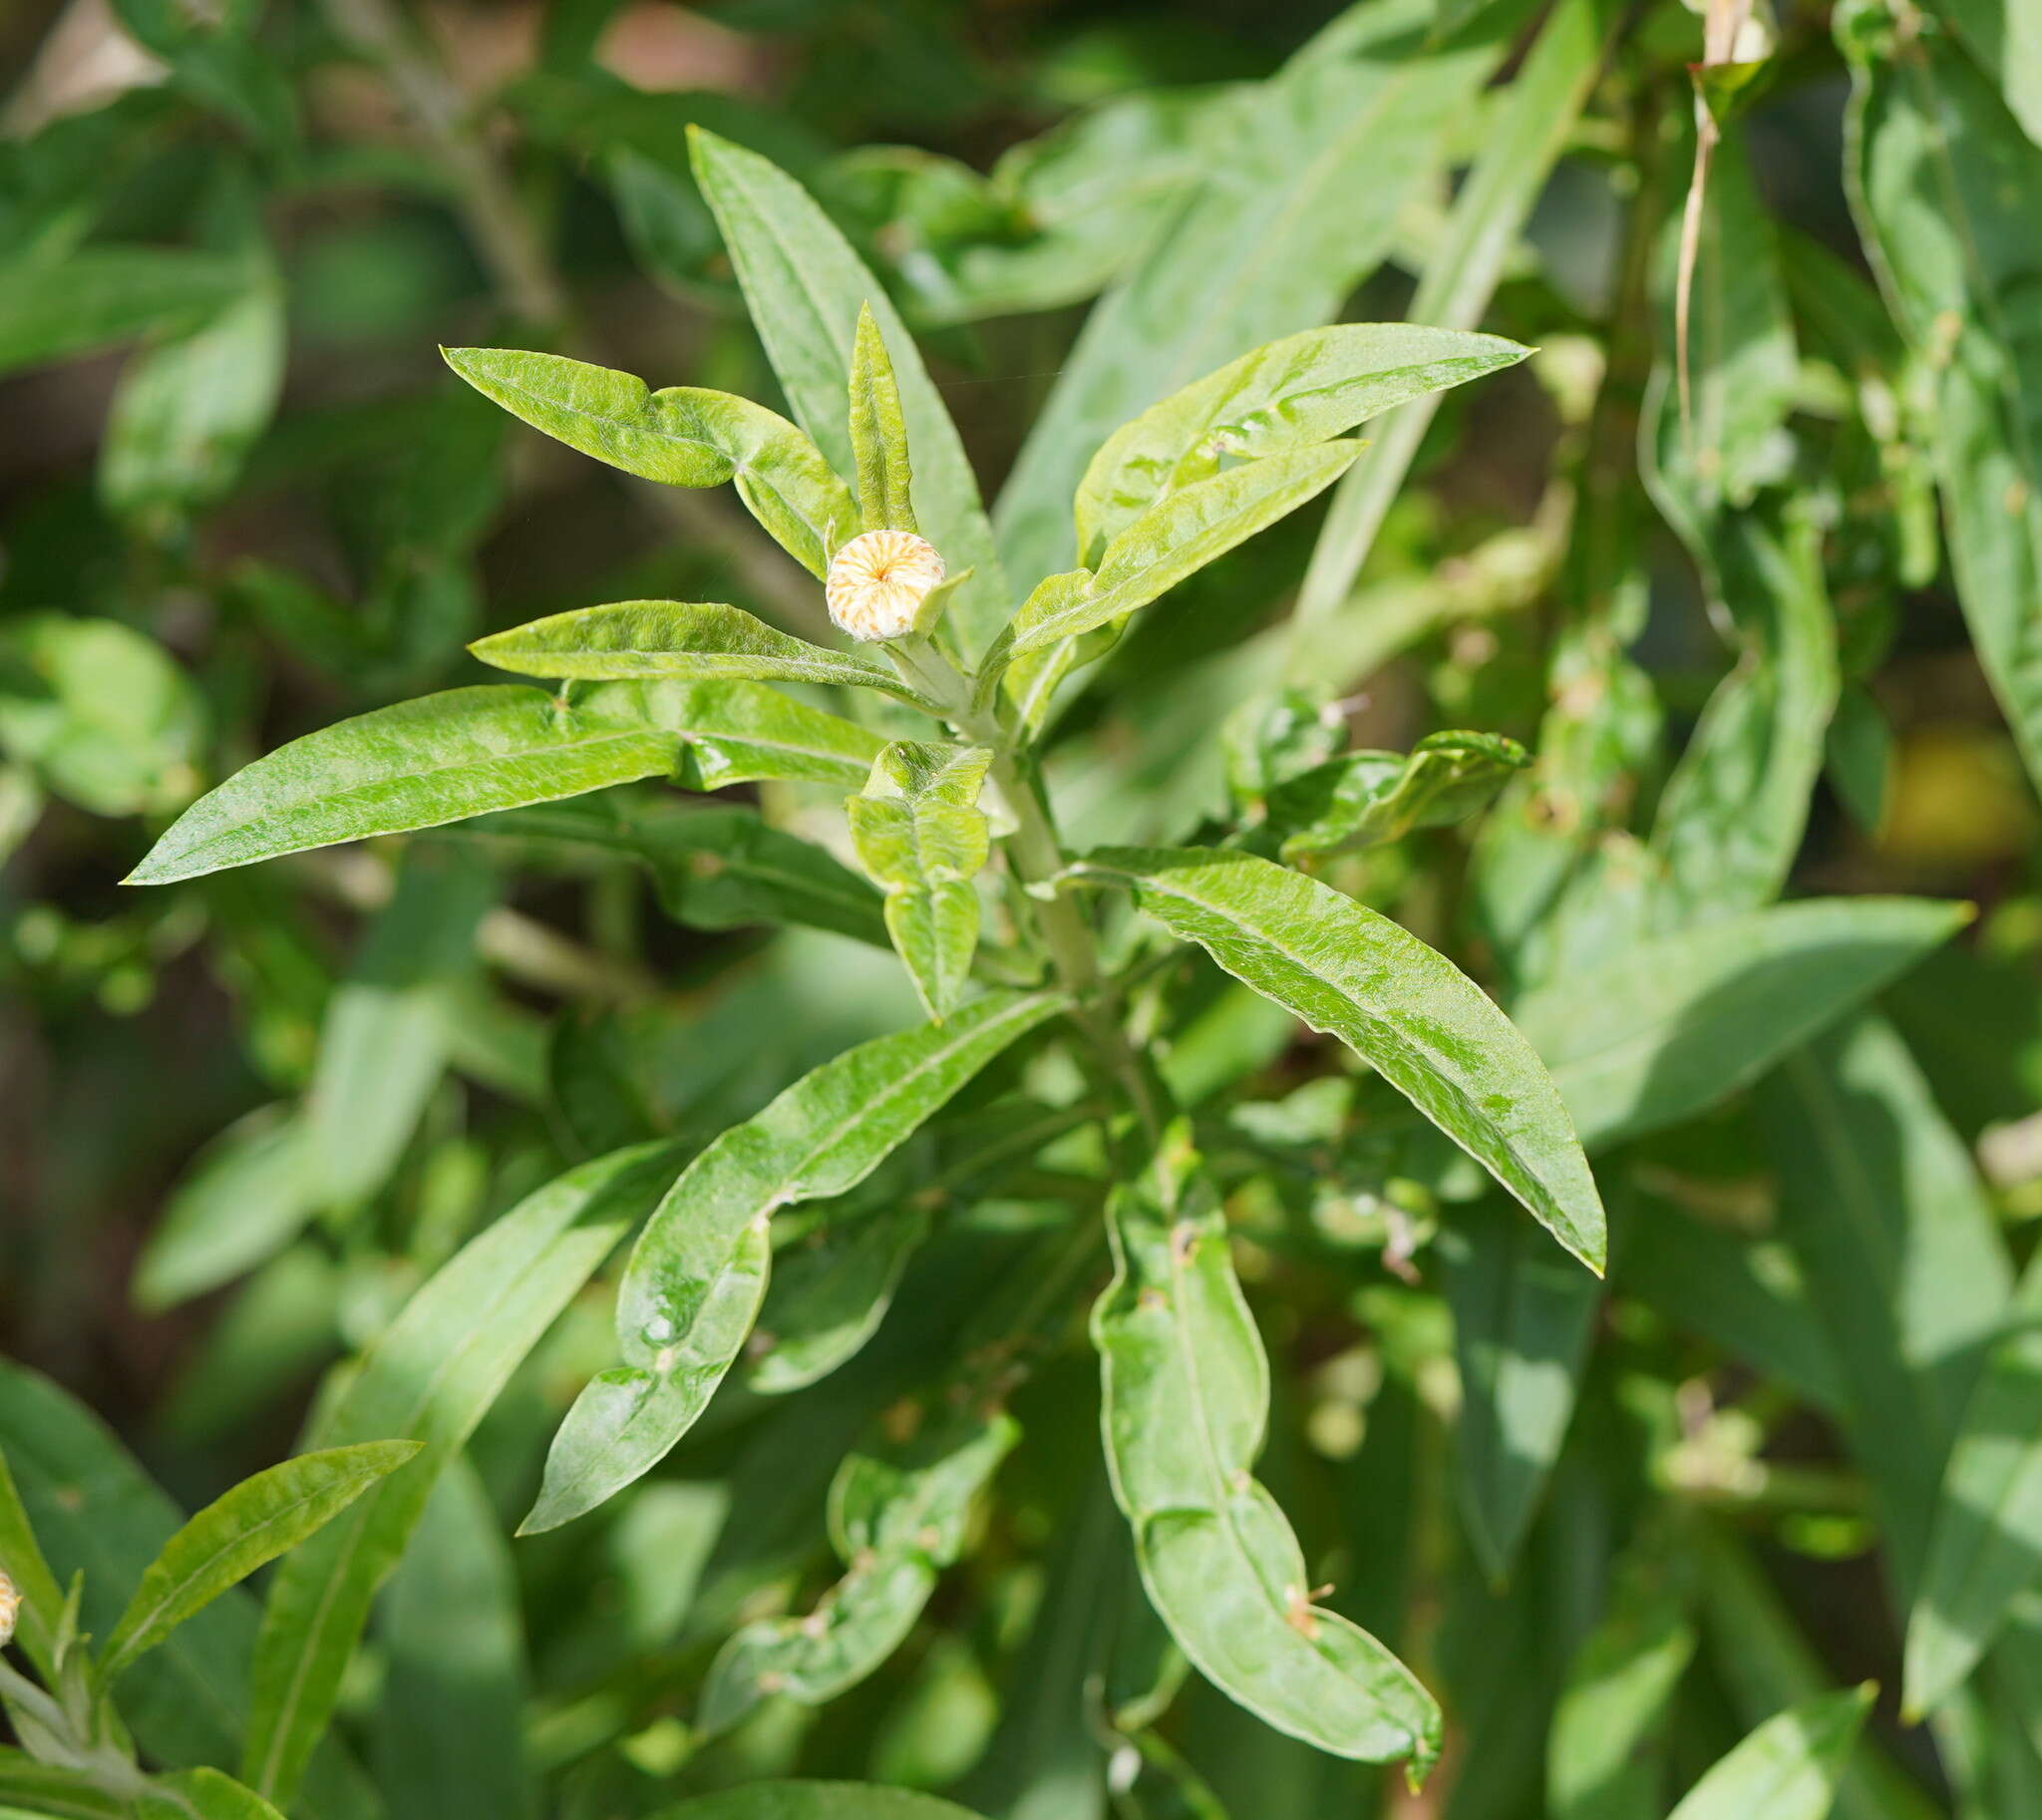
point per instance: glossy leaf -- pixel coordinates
(1287, 394)
(897, 1514)
(1363, 799)
(805, 287)
(698, 1274)
(467, 752)
(1402, 1006)
(1186, 1389)
(690, 641)
(878, 432)
(1174, 537)
(1789, 1767)
(684, 435)
(431, 1376)
(1674, 1025)
(1938, 171)
(237, 1533)
(921, 836)
(1985, 1545)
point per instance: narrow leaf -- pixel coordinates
(234, 1535)
(878, 432)
(684, 435)
(1186, 1389)
(817, 1801)
(1363, 799)
(1399, 1004)
(688, 641)
(1788, 1769)
(698, 1274)
(829, 1296)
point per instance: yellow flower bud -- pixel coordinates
(10, 1603)
(877, 582)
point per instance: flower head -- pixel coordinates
(877, 582)
(10, 1603)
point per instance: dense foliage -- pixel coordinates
(1335, 1115)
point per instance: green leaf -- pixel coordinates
(815, 1801)
(897, 1513)
(237, 1533)
(1940, 174)
(100, 712)
(1521, 1322)
(2005, 36)
(51, 308)
(96, 1512)
(1788, 1769)
(1176, 537)
(878, 432)
(1985, 1543)
(205, 1793)
(449, 1738)
(806, 288)
(1186, 1389)
(921, 836)
(1288, 394)
(390, 1025)
(1300, 186)
(1901, 1254)
(681, 434)
(1364, 799)
(687, 640)
(698, 1274)
(431, 1376)
(247, 1196)
(828, 1295)
(443, 758)
(28, 1787)
(713, 867)
(39, 1599)
(1620, 1685)
(1674, 1025)
(1427, 1027)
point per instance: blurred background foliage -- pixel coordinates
(240, 1120)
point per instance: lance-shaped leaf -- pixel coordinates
(203, 1793)
(1672, 1025)
(897, 1512)
(31, 1787)
(1941, 179)
(431, 1376)
(443, 758)
(698, 1274)
(805, 288)
(235, 1534)
(830, 1293)
(1287, 394)
(1426, 1028)
(1186, 1390)
(1363, 799)
(50, 308)
(713, 867)
(920, 834)
(689, 641)
(1985, 1545)
(1788, 1768)
(682, 435)
(878, 432)
(1176, 537)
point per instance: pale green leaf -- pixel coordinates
(1288, 394)
(1399, 1004)
(685, 640)
(698, 1274)
(1788, 1769)
(431, 1376)
(805, 287)
(685, 436)
(815, 1801)
(238, 1532)
(1176, 537)
(1186, 1389)
(878, 432)
(442, 758)
(828, 1295)
(203, 1793)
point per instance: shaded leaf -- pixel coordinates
(1363, 799)
(830, 1293)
